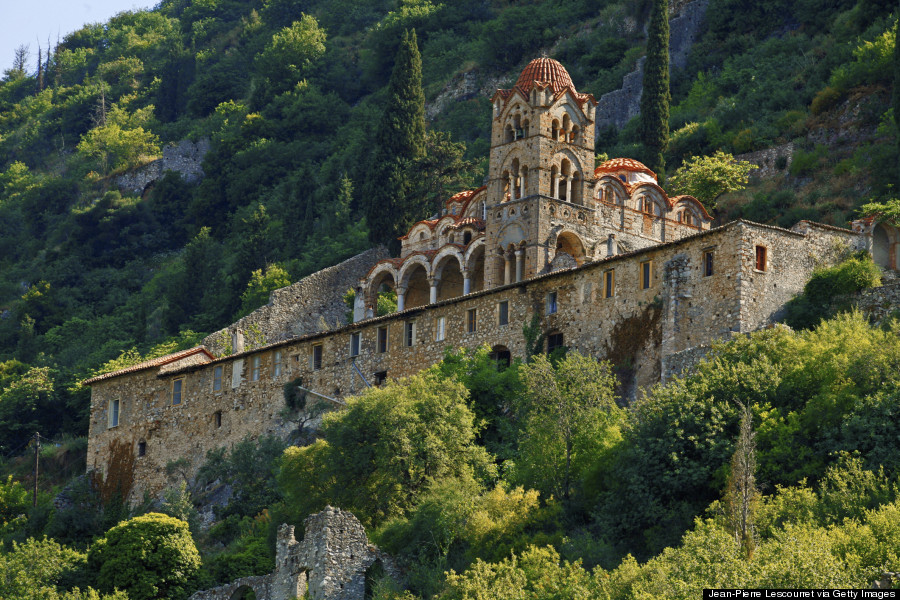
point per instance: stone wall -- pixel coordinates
(616, 108)
(313, 304)
(881, 303)
(330, 563)
(767, 160)
(637, 327)
(185, 158)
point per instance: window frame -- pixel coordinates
(646, 274)
(141, 448)
(179, 383)
(316, 354)
(551, 302)
(111, 421)
(761, 252)
(277, 363)
(472, 320)
(555, 335)
(217, 419)
(381, 340)
(355, 343)
(440, 329)
(709, 263)
(609, 283)
(409, 334)
(218, 375)
(255, 367)
(503, 313)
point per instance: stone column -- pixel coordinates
(512, 186)
(568, 189)
(507, 268)
(520, 264)
(433, 290)
(467, 282)
(401, 297)
(554, 186)
(612, 246)
(359, 304)
(521, 184)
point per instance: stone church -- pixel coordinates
(605, 261)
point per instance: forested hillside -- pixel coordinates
(290, 94)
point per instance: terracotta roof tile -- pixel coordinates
(156, 362)
(545, 70)
(624, 164)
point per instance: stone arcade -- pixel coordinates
(611, 265)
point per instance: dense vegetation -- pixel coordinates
(531, 481)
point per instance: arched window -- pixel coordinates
(467, 237)
(574, 137)
(422, 237)
(501, 356)
(509, 134)
(554, 130)
(451, 239)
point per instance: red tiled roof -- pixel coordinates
(624, 164)
(473, 221)
(149, 364)
(545, 70)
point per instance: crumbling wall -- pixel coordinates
(313, 304)
(770, 161)
(330, 563)
(185, 158)
(616, 108)
(881, 303)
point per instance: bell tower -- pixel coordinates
(541, 165)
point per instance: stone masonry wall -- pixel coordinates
(767, 160)
(881, 303)
(616, 108)
(330, 563)
(638, 329)
(313, 304)
(185, 158)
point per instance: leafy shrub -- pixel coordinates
(858, 272)
(149, 557)
(825, 99)
(804, 163)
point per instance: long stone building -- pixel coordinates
(609, 263)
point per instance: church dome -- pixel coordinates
(621, 166)
(546, 71)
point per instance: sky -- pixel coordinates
(26, 22)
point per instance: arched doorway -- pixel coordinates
(501, 356)
(885, 242)
(451, 277)
(381, 296)
(415, 280)
(475, 265)
(245, 592)
(569, 243)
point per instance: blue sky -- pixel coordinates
(32, 20)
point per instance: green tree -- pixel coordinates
(570, 421)
(149, 557)
(889, 210)
(708, 177)
(391, 203)
(120, 139)
(656, 95)
(291, 52)
(261, 285)
(384, 450)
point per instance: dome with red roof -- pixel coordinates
(545, 71)
(632, 169)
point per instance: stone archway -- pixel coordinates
(449, 277)
(569, 243)
(244, 592)
(414, 285)
(885, 244)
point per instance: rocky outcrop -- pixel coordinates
(332, 562)
(616, 108)
(185, 158)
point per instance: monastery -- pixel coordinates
(608, 263)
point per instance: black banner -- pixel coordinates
(811, 594)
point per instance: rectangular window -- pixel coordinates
(177, 389)
(316, 357)
(217, 378)
(112, 416)
(551, 303)
(440, 329)
(409, 333)
(472, 320)
(354, 344)
(708, 263)
(142, 448)
(503, 313)
(217, 418)
(609, 283)
(380, 377)
(255, 368)
(554, 341)
(646, 274)
(760, 258)
(276, 364)
(236, 371)
(382, 340)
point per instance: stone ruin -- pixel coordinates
(331, 562)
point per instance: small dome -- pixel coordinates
(619, 165)
(547, 71)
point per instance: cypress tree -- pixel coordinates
(391, 205)
(655, 98)
(896, 95)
